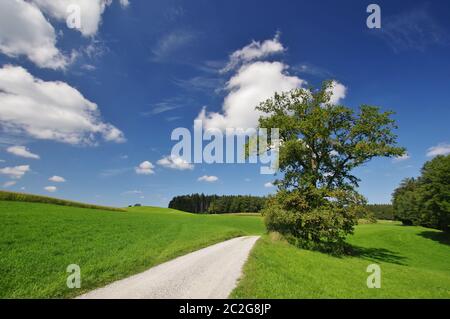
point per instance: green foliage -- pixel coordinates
(194, 203)
(21, 197)
(215, 204)
(323, 225)
(426, 200)
(320, 144)
(406, 202)
(380, 211)
(38, 242)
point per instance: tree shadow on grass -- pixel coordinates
(440, 237)
(378, 255)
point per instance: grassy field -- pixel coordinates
(415, 263)
(38, 241)
(23, 197)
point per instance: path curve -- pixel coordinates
(208, 273)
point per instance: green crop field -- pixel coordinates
(38, 241)
(414, 261)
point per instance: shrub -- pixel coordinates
(323, 226)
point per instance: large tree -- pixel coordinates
(320, 145)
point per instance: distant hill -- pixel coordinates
(22, 197)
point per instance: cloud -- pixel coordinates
(9, 184)
(173, 118)
(255, 82)
(175, 162)
(254, 50)
(49, 110)
(124, 3)
(206, 84)
(51, 189)
(91, 12)
(440, 149)
(208, 179)
(88, 67)
(269, 185)
(162, 107)
(169, 104)
(24, 31)
(57, 179)
(415, 29)
(133, 192)
(401, 158)
(252, 84)
(21, 151)
(169, 44)
(145, 168)
(15, 172)
(311, 69)
(338, 92)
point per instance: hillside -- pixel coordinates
(38, 241)
(31, 198)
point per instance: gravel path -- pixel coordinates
(209, 273)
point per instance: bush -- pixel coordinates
(323, 226)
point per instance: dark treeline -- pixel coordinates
(425, 200)
(215, 204)
(381, 211)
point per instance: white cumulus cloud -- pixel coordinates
(208, 179)
(57, 179)
(91, 12)
(440, 149)
(269, 185)
(49, 110)
(338, 92)
(145, 168)
(252, 84)
(175, 162)
(50, 189)
(24, 31)
(21, 151)
(15, 172)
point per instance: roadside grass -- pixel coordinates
(414, 261)
(38, 241)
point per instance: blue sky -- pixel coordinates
(150, 67)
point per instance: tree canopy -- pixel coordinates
(426, 200)
(320, 145)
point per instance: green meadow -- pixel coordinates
(38, 241)
(414, 262)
